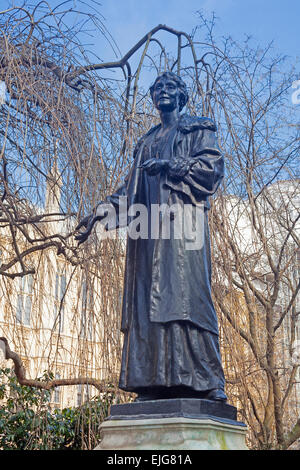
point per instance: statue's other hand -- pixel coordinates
(87, 222)
(153, 166)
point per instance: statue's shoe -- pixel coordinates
(142, 397)
(216, 394)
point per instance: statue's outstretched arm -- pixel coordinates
(99, 213)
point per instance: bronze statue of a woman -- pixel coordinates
(171, 347)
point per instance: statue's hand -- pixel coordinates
(153, 166)
(88, 222)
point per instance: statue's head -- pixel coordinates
(181, 86)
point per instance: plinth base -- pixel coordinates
(174, 424)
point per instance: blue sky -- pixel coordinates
(266, 20)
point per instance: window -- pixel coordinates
(24, 299)
(296, 266)
(56, 392)
(87, 305)
(82, 393)
(59, 301)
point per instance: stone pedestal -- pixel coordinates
(174, 424)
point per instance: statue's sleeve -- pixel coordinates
(199, 174)
(111, 212)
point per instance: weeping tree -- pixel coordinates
(255, 226)
(62, 148)
(69, 125)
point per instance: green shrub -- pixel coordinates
(28, 422)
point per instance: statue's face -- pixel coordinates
(166, 94)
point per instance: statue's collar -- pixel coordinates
(188, 124)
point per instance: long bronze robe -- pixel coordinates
(168, 318)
